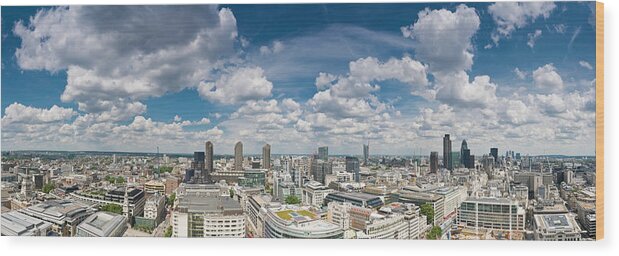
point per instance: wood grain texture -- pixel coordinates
(599, 119)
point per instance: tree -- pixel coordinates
(435, 233)
(171, 199)
(48, 187)
(231, 193)
(120, 180)
(168, 232)
(112, 208)
(291, 199)
(428, 210)
(163, 169)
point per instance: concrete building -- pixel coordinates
(197, 216)
(290, 221)
(134, 197)
(103, 224)
(339, 214)
(266, 157)
(492, 213)
(357, 199)
(238, 157)
(64, 215)
(420, 198)
(18, 224)
(208, 161)
(154, 186)
(314, 193)
(556, 227)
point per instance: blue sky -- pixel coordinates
(518, 76)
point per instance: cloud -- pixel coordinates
(18, 113)
(443, 38)
(520, 74)
(455, 89)
(238, 85)
(276, 47)
(116, 56)
(585, 64)
(510, 16)
(547, 78)
(177, 118)
(533, 37)
(405, 70)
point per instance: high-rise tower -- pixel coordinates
(266, 156)
(447, 152)
(208, 156)
(238, 157)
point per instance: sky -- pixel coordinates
(517, 76)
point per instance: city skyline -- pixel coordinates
(287, 84)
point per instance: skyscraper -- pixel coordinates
(433, 162)
(352, 165)
(238, 157)
(198, 161)
(464, 158)
(323, 153)
(266, 156)
(320, 169)
(366, 153)
(495, 153)
(208, 154)
(447, 152)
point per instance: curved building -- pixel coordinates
(295, 222)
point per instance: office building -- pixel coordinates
(154, 186)
(314, 193)
(208, 155)
(253, 178)
(266, 157)
(15, 223)
(103, 224)
(238, 157)
(406, 195)
(447, 152)
(357, 199)
(320, 169)
(556, 227)
(463, 155)
(198, 161)
(433, 162)
(492, 213)
(323, 153)
(64, 215)
(494, 152)
(366, 153)
(288, 221)
(198, 216)
(352, 166)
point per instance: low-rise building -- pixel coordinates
(64, 215)
(103, 224)
(290, 221)
(357, 199)
(314, 193)
(15, 223)
(556, 227)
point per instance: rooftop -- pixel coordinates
(103, 224)
(18, 224)
(213, 204)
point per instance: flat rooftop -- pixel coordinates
(213, 204)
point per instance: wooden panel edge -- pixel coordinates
(599, 119)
